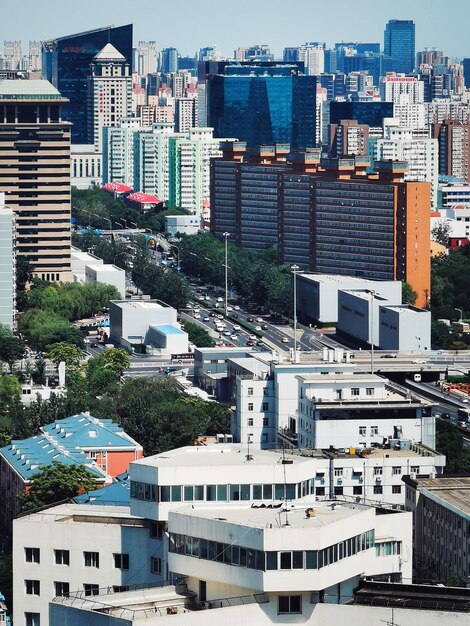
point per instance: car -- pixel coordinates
(212, 314)
(189, 305)
(252, 337)
(250, 319)
(260, 342)
(250, 343)
(219, 299)
(206, 319)
(445, 416)
(221, 317)
(236, 327)
(284, 340)
(392, 355)
(419, 361)
(229, 308)
(206, 298)
(264, 327)
(227, 333)
(234, 337)
(258, 328)
(259, 319)
(236, 307)
(201, 298)
(216, 305)
(93, 344)
(197, 316)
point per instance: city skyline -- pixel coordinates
(260, 22)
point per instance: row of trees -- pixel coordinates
(256, 276)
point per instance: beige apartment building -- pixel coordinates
(35, 173)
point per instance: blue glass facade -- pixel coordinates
(399, 44)
(370, 113)
(66, 64)
(263, 105)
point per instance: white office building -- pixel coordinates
(313, 56)
(7, 265)
(107, 274)
(85, 166)
(393, 86)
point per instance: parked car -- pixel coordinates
(264, 327)
(250, 343)
(250, 319)
(284, 340)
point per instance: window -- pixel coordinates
(265, 406)
(378, 471)
(250, 391)
(62, 557)
(338, 472)
(155, 565)
(354, 391)
(370, 391)
(396, 471)
(250, 406)
(374, 430)
(289, 604)
(320, 491)
(31, 555)
(338, 491)
(62, 589)
(121, 561)
(32, 587)
(414, 469)
(357, 490)
(396, 488)
(250, 421)
(91, 589)
(265, 421)
(92, 559)
(120, 588)
(32, 619)
(378, 489)
(156, 530)
(362, 431)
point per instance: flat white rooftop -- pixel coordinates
(143, 305)
(106, 267)
(337, 278)
(66, 513)
(322, 514)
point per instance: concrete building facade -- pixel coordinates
(7, 265)
(35, 155)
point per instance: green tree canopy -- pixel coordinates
(11, 347)
(408, 295)
(197, 335)
(56, 482)
(67, 352)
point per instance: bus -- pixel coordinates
(463, 415)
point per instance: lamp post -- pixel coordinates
(461, 313)
(226, 235)
(119, 224)
(295, 269)
(106, 219)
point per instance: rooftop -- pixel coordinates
(168, 329)
(337, 278)
(453, 490)
(28, 90)
(145, 305)
(109, 53)
(70, 512)
(322, 514)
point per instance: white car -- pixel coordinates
(219, 299)
(253, 337)
(234, 337)
(258, 328)
(237, 308)
(197, 316)
(206, 319)
(227, 333)
(237, 327)
(259, 319)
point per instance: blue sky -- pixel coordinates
(191, 24)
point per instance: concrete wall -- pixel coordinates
(107, 274)
(404, 328)
(131, 319)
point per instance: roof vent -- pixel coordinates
(92, 433)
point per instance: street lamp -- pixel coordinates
(226, 235)
(461, 313)
(106, 219)
(119, 224)
(295, 269)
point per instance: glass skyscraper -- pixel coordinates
(263, 104)
(66, 64)
(399, 44)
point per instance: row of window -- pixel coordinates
(270, 560)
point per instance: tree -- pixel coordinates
(198, 336)
(440, 233)
(24, 274)
(54, 483)
(11, 348)
(408, 295)
(10, 390)
(114, 359)
(67, 352)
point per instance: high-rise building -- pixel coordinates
(110, 93)
(370, 113)
(263, 103)
(12, 54)
(333, 220)
(454, 148)
(35, 167)
(66, 64)
(35, 58)
(7, 264)
(186, 116)
(348, 138)
(146, 57)
(392, 87)
(399, 44)
(169, 60)
(313, 57)
(466, 72)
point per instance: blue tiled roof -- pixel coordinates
(62, 441)
(117, 494)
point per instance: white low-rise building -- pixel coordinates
(404, 327)
(182, 224)
(107, 274)
(317, 294)
(81, 548)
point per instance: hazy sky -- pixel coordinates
(191, 24)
